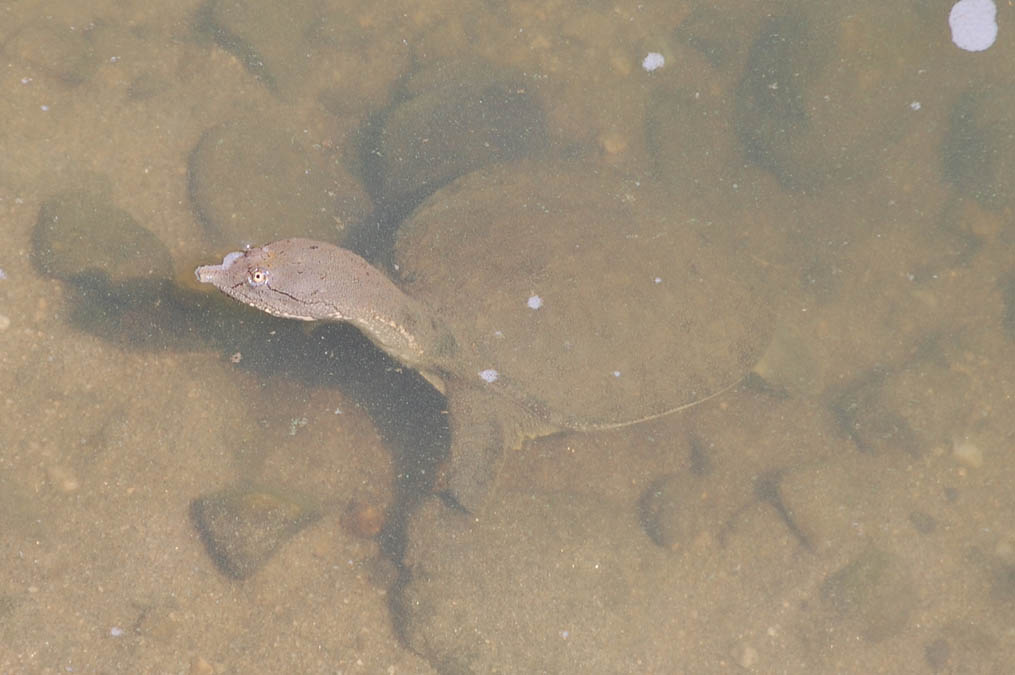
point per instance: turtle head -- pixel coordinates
(315, 281)
(288, 278)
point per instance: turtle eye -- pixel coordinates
(257, 276)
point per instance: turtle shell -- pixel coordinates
(584, 292)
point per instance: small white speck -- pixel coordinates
(659, 280)
(114, 59)
(652, 61)
(338, 411)
(297, 423)
(116, 631)
(44, 108)
(616, 373)
(25, 80)
(535, 302)
(565, 634)
(915, 105)
(3, 275)
(489, 375)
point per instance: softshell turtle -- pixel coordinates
(537, 300)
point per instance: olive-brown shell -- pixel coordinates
(584, 292)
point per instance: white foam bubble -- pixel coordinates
(973, 24)
(653, 61)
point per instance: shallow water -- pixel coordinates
(847, 509)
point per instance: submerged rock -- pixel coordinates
(872, 595)
(67, 53)
(978, 152)
(243, 527)
(450, 122)
(825, 94)
(257, 180)
(676, 509)
(80, 233)
(268, 38)
(548, 583)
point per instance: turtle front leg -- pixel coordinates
(483, 425)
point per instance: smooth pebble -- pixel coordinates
(968, 454)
